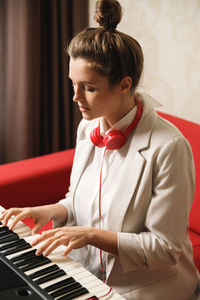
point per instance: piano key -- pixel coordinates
(88, 296)
(23, 233)
(22, 255)
(56, 261)
(20, 228)
(26, 261)
(11, 244)
(57, 280)
(80, 274)
(31, 265)
(4, 229)
(44, 271)
(73, 295)
(71, 265)
(38, 268)
(16, 249)
(59, 284)
(67, 289)
(50, 276)
(91, 285)
(5, 232)
(11, 236)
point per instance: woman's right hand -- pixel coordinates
(40, 215)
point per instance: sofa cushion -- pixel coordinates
(195, 239)
(36, 181)
(192, 133)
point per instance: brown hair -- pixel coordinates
(112, 53)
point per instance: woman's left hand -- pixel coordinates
(71, 237)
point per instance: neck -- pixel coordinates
(124, 107)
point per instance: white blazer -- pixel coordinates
(150, 216)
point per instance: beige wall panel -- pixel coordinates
(169, 33)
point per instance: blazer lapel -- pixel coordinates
(81, 162)
(132, 169)
(129, 179)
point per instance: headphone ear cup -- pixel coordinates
(114, 140)
(96, 138)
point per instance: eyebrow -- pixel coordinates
(84, 82)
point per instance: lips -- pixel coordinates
(83, 109)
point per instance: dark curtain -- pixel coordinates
(37, 114)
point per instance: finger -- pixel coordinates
(8, 214)
(2, 213)
(44, 245)
(52, 247)
(36, 228)
(3, 217)
(68, 249)
(44, 236)
(18, 218)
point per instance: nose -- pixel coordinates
(78, 94)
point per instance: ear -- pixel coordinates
(125, 85)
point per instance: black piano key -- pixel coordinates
(80, 292)
(65, 290)
(11, 244)
(4, 229)
(23, 255)
(51, 276)
(26, 261)
(44, 271)
(35, 264)
(16, 249)
(59, 284)
(11, 236)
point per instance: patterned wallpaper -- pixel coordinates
(169, 33)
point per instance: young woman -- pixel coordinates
(132, 181)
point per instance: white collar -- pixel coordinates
(121, 124)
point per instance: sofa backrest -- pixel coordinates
(191, 131)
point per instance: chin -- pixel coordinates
(87, 117)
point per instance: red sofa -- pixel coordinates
(45, 180)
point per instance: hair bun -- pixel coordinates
(108, 14)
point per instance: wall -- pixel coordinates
(169, 33)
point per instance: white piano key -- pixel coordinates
(18, 253)
(46, 284)
(21, 229)
(94, 285)
(39, 268)
(85, 278)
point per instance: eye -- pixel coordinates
(90, 89)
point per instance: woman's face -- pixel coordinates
(93, 94)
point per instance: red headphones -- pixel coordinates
(115, 139)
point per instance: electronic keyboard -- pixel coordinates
(27, 276)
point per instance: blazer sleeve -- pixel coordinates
(166, 224)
